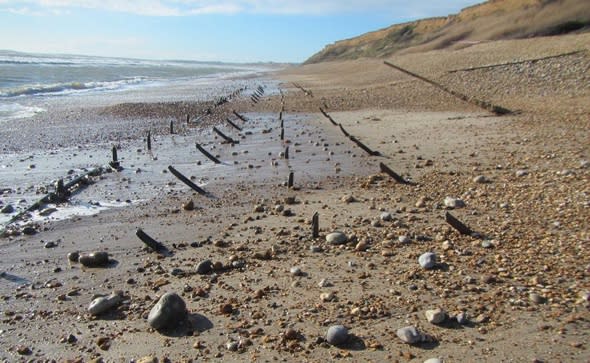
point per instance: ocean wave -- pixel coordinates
(69, 87)
(15, 110)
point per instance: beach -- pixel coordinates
(519, 182)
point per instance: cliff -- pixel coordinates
(491, 20)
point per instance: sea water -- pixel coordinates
(30, 83)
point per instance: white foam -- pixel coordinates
(10, 111)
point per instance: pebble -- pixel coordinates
(480, 179)
(521, 173)
(94, 259)
(189, 205)
(386, 216)
(291, 334)
(421, 202)
(435, 316)
(204, 267)
(361, 246)
(104, 303)
(232, 346)
(168, 311)
(451, 202)
(29, 230)
(347, 199)
(487, 244)
(327, 296)
(147, 359)
(73, 256)
(427, 260)
(336, 238)
(7, 209)
(336, 335)
(47, 212)
(315, 248)
(50, 244)
(462, 318)
(404, 239)
(536, 298)
(296, 271)
(324, 283)
(433, 360)
(409, 335)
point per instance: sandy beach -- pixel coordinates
(517, 289)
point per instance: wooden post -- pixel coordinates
(290, 182)
(115, 162)
(149, 140)
(315, 225)
(188, 119)
(60, 190)
(287, 153)
(282, 133)
(171, 127)
(186, 181)
(115, 159)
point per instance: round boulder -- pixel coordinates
(427, 260)
(168, 312)
(336, 335)
(336, 238)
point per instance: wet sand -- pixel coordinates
(524, 289)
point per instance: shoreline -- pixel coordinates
(522, 285)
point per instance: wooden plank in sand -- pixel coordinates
(207, 154)
(343, 130)
(363, 146)
(328, 117)
(186, 181)
(149, 241)
(385, 169)
(240, 116)
(457, 224)
(224, 136)
(498, 110)
(233, 124)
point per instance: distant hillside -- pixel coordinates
(492, 20)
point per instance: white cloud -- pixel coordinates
(192, 7)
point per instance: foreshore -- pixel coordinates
(522, 278)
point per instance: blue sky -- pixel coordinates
(209, 30)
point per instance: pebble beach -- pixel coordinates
(478, 254)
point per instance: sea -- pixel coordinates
(41, 87)
(32, 83)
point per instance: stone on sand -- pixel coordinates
(337, 335)
(427, 260)
(409, 335)
(104, 303)
(168, 312)
(336, 238)
(435, 316)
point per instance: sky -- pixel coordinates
(206, 30)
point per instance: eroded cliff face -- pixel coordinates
(491, 20)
